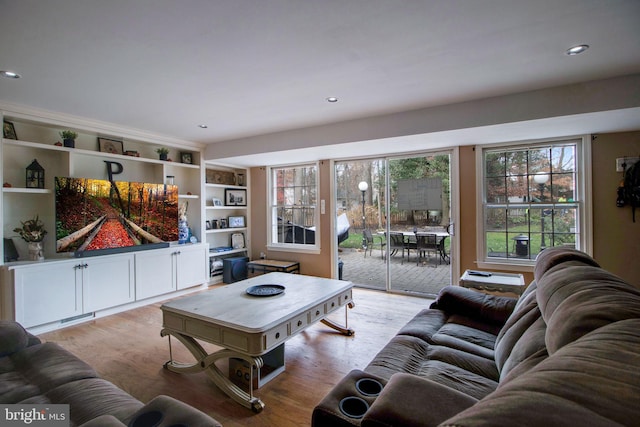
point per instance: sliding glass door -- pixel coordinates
(397, 212)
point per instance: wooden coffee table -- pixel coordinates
(251, 328)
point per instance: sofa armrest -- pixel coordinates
(466, 302)
(13, 337)
(409, 400)
(164, 411)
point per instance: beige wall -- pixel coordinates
(616, 238)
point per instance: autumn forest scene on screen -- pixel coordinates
(94, 214)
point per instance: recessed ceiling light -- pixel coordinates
(9, 74)
(576, 50)
(332, 99)
(203, 126)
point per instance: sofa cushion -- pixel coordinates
(403, 353)
(37, 369)
(578, 299)
(457, 334)
(558, 255)
(592, 381)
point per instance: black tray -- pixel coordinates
(265, 290)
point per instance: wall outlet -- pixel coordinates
(620, 162)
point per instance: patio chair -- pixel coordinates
(370, 242)
(396, 243)
(426, 243)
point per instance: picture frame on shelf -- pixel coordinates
(9, 131)
(186, 158)
(237, 241)
(235, 197)
(220, 177)
(112, 146)
(216, 201)
(208, 225)
(237, 221)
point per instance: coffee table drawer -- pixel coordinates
(332, 305)
(299, 323)
(345, 297)
(316, 313)
(276, 336)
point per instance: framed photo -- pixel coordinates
(110, 146)
(9, 131)
(237, 241)
(208, 225)
(186, 158)
(236, 222)
(217, 202)
(233, 197)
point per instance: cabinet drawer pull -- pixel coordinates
(299, 322)
(277, 335)
(317, 312)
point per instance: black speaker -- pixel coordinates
(234, 269)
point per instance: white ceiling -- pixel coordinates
(254, 67)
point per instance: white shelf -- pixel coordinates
(233, 251)
(224, 208)
(26, 190)
(188, 196)
(237, 187)
(226, 230)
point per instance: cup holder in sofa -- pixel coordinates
(147, 419)
(369, 387)
(353, 407)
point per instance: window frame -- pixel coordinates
(583, 178)
(272, 204)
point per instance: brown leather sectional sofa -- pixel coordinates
(566, 353)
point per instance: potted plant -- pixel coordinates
(33, 232)
(163, 153)
(69, 138)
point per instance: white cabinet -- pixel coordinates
(167, 270)
(54, 291)
(47, 292)
(220, 205)
(154, 271)
(190, 263)
(107, 281)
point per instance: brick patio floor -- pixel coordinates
(426, 279)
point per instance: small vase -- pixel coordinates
(69, 143)
(36, 253)
(163, 156)
(183, 232)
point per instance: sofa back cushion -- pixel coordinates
(577, 299)
(522, 335)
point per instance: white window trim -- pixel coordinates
(292, 247)
(584, 178)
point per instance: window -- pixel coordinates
(293, 206)
(532, 199)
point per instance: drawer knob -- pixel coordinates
(277, 335)
(299, 322)
(317, 312)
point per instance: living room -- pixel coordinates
(84, 67)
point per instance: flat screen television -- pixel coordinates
(97, 217)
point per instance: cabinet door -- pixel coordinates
(154, 273)
(191, 266)
(47, 293)
(107, 282)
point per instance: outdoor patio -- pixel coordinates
(426, 279)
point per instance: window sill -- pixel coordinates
(506, 266)
(294, 249)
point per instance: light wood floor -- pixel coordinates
(127, 350)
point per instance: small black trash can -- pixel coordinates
(521, 245)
